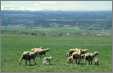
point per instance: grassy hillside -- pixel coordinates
(14, 45)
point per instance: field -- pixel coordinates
(14, 44)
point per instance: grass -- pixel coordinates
(14, 45)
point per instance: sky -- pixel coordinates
(57, 5)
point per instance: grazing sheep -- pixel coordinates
(28, 56)
(43, 52)
(77, 53)
(70, 59)
(83, 51)
(67, 54)
(47, 60)
(90, 56)
(82, 58)
(40, 51)
(73, 50)
(96, 61)
(36, 49)
(76, 57)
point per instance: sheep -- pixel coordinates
(28, 56)
(67, 54)
(36, 49)
(82, 54)
(83, 51)
(82, 58)
(70, 59)
(47, 60)
(43, 52)
(76, 57)
(72, 50)
(90, 56)
(77, 54)
(96, 61)
(40, 51)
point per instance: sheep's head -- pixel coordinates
(50, 57)
(46, 50)
(83, 51)
(32, 49)
(70, 59)
(96, 53)
(67, 54)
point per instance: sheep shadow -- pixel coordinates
(82, 64)
(32, 64)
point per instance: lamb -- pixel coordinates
(73, 50)
(90, 56)
(43, 52)
(36, 49)
(77, 54)
(28, 56)
(40, 51)
(83, 51)
(96, 61)
(47, 60)
(76, 57)
(70, 59)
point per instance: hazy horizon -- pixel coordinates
(57, 5)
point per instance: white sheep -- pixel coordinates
(40, 51)
(70, 59)
(28, 56)
(73, 50)
(76, 57)
(47, 60)
(96, 61)
(90, 56)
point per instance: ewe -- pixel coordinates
(96, 61)
(47, 60)
(28, 56)
(90, 56)
(40, 51)
(76, 57)
(83, 51)
(73, 50)
(70, 59)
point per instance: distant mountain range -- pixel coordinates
(90, 20)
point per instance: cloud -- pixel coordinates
(57, 5)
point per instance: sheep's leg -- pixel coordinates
(84, 61)
(76, 61)
(21, 58)
(25, 62)
(91, 62)
(34, 61)
(87, 62)
(79, 61)
(40, 56)
(73, 61)
(29, 62)
(20, 61)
